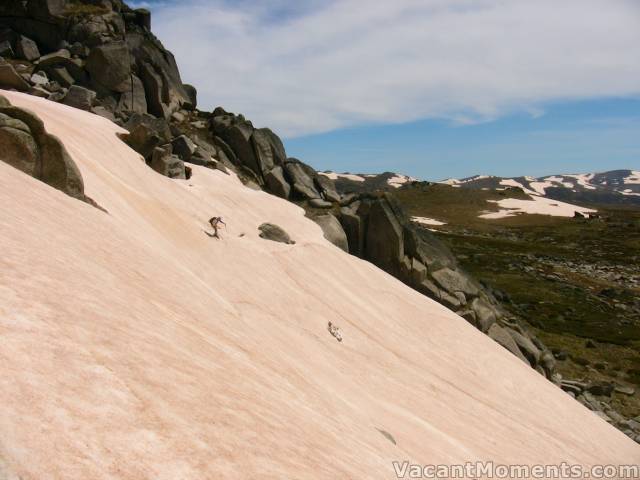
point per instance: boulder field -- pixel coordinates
(136, 346)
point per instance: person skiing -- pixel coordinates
(215, 222)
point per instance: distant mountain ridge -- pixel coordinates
(618, 187)
(611, 187)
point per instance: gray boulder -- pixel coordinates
(10, 79)
(192, 95)
(143, 18)
(163, 162)
(526, 346)
(25, 145)
(431, 290)
(134, 99)
(55, 58)
(450, 301)
(272, 232)
(328, 189)
(333, 231)
(352, 226)
(601, 388)
(319, 203)
(142, 139)
(384, 243)
(61, 75)
(501, 336)
(146, 133)
(485, 313)
(6, 50)
(454, 281)
(103, 112)
(109, 67)
(80, 97)
(301, 181)
(18, 146)
(40, 79)
(27, 49)
(264, 153)
(276, 182)
(153, 87)
(417, 271)
(183, 147)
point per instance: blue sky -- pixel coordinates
(430, 88)
(572, 137)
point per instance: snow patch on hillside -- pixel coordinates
(347, 176)
(511, 207)
(400, 180)
(633, 179)
(427, 221)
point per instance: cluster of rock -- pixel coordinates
(165, 148)
(378, 231)
(370, 226)
(97, 55)
(596, 395)
(100, 55)
(26, 145)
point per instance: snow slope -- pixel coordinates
(135, 346)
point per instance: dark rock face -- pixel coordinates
(501, 335)
(384, 244)
(301, 179)
(276, 182)
(192, 94)
(167, 164)
(80, 97)
(333, 231)
(100, 45)
(27, 49)
(10, 79)
(272, 232)
(109, 67)
(25, 145)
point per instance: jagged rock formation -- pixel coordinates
(101, 56)
(102, 46)
(372, 227)
(26, 145)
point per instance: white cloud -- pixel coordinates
(327, 65)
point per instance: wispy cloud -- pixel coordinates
(326, 65)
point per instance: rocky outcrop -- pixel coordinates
(103, 46)
(26, 145)
(10, 79)
(378, 231)
(260, 158)
(167, 164)
(332, 230)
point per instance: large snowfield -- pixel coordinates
(133, 345)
